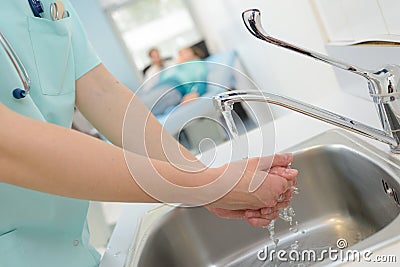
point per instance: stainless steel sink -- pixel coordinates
(348, 191)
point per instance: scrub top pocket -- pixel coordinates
(51, 44)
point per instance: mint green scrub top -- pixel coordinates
(37, 229)
(189, 77)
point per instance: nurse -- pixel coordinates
(48, 172)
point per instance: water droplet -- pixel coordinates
(291, 212)
(296, 190)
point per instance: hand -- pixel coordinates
(261, 217)
(278, 181)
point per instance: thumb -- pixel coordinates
(277, 160)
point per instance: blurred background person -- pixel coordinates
(178, 84)
(157, 63)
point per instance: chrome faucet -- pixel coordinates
(384, 88)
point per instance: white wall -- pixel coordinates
(105, 42)
(345, 21)
(273, 69)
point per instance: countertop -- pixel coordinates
(289, 131)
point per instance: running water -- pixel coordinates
(286, 214)
(271, 230)
(234, 134)
(230, 123)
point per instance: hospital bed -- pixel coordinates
(183, 118)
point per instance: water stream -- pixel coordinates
(238, 145)
(286, 214)
(230, 123)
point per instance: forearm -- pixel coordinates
(105, 102)
(64, 162)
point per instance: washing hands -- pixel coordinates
(260, 206)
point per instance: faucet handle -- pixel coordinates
(385, 82)
(252, 21)
(381, 82)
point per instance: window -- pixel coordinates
(143, 24)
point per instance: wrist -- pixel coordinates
(195, 175)
(190, 186)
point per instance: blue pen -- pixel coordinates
(37, 7)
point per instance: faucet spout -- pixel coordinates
(225, 101)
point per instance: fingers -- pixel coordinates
(289, 174)
(256, 218)
(260, 189)
(228, 214)
(277, 186)
(256, 222)
(287, 196)
(255, 213)
(261, 214)
(263, 217)
(281, 160)
(267, 212)
(277, 164)
(271, 216)
(262, 221)
(280, 205)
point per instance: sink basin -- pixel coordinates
(348, 190)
